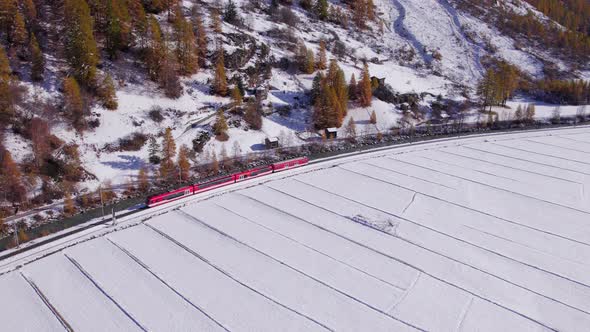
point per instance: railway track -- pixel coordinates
(335, 155)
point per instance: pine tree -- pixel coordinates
(37, 59)
(352, 88)
(73, 103)
(219, 80)
(186, 48)
(79, 44)
(6, 95)
(365, 90)
(321, 58)
(230, 14)
(236, 96)
(321, 9)
(220, 127)
(143, 181)
(117, 27)
(106, 92)
(519, 114)
(183, 162)
(316, 87)
(154, 151)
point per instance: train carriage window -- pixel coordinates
(259, 171)
(215, 182)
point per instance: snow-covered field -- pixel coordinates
(487, 233)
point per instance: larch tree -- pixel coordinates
(200, 35)
(359, 13)
(39, 141)
(156, 49)
(168, 154)
(8, 10)
(337, 81)
(69, 207)
(373, 118)
(18, 35)
(11, 178)
(236, 96)
(6, 95)
(215, 20)
(370, 10)
(219, 80)
(252, 116)
(79, 44)
(29, 11)
(220, 126)
(351, 129)
(139, 22)
(107, 94)
(309, 66)
(530, 113)
(143, 180)
(186, 48)
(184, 163)
(487, 89)
(365, 90)
(37, 59)
(321, 58)
(73, 103)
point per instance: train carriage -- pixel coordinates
(160, 199)
(176, 194)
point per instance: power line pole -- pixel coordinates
(101, 200)
(15, 234)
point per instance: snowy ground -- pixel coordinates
(488, 233)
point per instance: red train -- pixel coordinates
(179, 193)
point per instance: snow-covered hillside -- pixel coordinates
(483, 233)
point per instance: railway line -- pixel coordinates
(139, 212)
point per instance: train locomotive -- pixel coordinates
(159, 199)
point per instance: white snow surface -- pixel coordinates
(483, 233)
